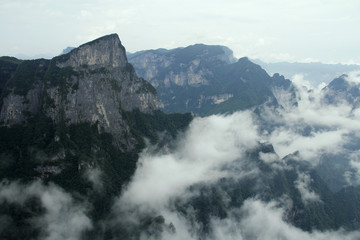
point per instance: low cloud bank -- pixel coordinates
(203, 155)
(260, 220)
(63, 218)
(214, 148)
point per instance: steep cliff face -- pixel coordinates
(22, 91)
(180, 75)
(205, 79)
(100, 85)
(106, 51)
(8, 67)
(93, 83)
(190, 66)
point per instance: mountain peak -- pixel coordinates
(93, 83)
(244, 59)
(106, 51)
(339, 83)
(106, 38)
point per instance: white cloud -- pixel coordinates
(93, 175)
(63, 219)
(353, 175)
(264, 221)
(208, 146)
(310, 126)
(286, 141)
(214, 147)
(269, 157)
(303, 185)
(353, 77)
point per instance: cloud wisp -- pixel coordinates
(201, 155)
(310, 126)
(260, 220)
(62, 219)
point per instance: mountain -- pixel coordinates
(316, 72)
(205, 79)
(77, 121)
(341, 89)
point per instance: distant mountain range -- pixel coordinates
(316, 72)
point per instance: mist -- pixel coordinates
(215, 148)
(260, 220)
(59, 217)
(216, 154)
(209, 145)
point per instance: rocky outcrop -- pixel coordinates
(106, 51)
(92, 83)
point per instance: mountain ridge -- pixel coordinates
(205, 79)
(315, 72)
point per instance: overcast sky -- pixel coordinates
(271, 30)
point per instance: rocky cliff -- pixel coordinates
(205, 79)
(190, 66)
(77, 123)
(93, 83)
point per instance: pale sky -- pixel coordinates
(271, 30)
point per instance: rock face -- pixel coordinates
(343, 89)
(190, 66)
(205, 79)
(93, 83)
(8, 67)
(106, 51)
(22, 92)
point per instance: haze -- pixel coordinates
(273, 31)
